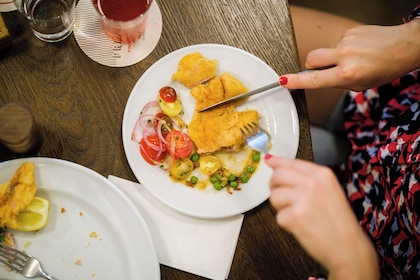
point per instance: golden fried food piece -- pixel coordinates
(16, 194)
(219, 88)
(194, 69)
(232, 85)
(212, 132)
(219, 128)
(206, 95)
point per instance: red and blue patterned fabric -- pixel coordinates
(382, 173)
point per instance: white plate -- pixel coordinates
(123, 247)
(276, 107)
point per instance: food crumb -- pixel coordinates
(27, 244)
(63, 209)
(81, 213)
(93, 234)
(78, 262)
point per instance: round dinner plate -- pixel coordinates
(93, 232)
(278, 117)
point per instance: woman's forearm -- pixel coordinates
(413, 39)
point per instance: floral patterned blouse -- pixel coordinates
(382, 173)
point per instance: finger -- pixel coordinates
(282, 197)
(284, 218)
(316, 79)
(321, 58)
(290, 177)
(276, 162)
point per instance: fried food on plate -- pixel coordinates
(215, 132)
(194, 69)
(16, 195)
(217, 89)
(219, 128)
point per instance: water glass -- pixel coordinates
(50, 20)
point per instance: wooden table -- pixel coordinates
(79, 106)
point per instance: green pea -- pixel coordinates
(256, 157)
(195, 157)
(218, 176)
(250, 169)
(244, 179)
(217, 186)
(232, 177)
(194, 180)
(213, 179)
(234, 184)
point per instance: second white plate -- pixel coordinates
(94, 231)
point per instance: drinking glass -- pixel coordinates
(124, 21)
(50, 20)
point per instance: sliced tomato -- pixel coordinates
(152, 150)
(179, 144)
(166, 127)
(168, 94)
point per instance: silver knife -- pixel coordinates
(255, 91)
(243, 95)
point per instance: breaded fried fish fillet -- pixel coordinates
(212, 132)
(217, 89)
(16, 194)
(219, 128)
(194, 69)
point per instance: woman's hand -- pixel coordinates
(366, 56)
(312, 206)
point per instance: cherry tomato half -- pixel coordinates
(179, 144)
(168, 94)
(166, 127)
(150, 154)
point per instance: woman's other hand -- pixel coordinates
(312, 206)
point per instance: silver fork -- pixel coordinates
(256, 137)
(26, 265)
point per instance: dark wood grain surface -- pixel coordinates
(78, 105)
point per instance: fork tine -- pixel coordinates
(249, 129)
(11, 257)
(256, 137)
(245, 131)
(255, 127)
(25, 264)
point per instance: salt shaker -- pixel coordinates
(18, 129)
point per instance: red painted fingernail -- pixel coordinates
(283, 80)
(268, 156)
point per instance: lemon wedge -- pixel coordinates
(35, 216)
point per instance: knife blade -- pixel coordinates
(256, 91)
(243, 95)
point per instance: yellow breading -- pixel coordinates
(194, 69)
(211, 133)
(219, 88)
(16, 195)
(219, 128)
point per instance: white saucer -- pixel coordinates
(100, 48)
